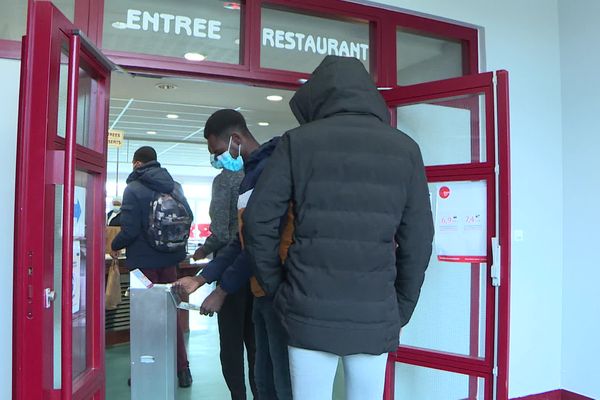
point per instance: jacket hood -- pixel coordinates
(154, 177)
(338, 85)
(264, 151)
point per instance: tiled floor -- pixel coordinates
(203, 353)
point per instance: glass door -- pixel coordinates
(449, 350)
(59, 269)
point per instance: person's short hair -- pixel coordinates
(144, 154)
(224, 122)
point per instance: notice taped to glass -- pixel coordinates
(461, 222)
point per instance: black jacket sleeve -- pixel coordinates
(413, 237)
(262, 217)
(131, 221)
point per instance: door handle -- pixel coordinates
(49, 296)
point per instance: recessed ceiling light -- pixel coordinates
(151, 132)
(263, 124)
(119, 25)
(384, 88)
(165, 86)
(192, 56)
(231, 5)
(274, 97)
(236, 41)
(172, 116)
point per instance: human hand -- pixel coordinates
(199, 254)
(189, 284)
(213, 303)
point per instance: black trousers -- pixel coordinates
(236, 329)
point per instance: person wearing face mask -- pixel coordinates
(233, 147)
(147, 180)
(236, 330)
(113, 218)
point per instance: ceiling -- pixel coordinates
(139, 106)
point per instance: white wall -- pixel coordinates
(9, 81)
(579, 33)
(522, 37)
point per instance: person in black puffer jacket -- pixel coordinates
(362, 235)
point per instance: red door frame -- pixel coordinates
(384, 23)
(496, 171)
(45, 158)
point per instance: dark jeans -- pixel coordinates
(272, 369)
(235, 330)
(168, 275)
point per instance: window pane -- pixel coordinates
(63, 87)
(57, 262)
(414, 382)
(298, 42)
(86, 96)
(448, 131)
(422, 58)
(82, 264)
(207, 30)
(13, 18)
(453, 296)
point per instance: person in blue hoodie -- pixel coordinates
(148, 178)
(233, 147)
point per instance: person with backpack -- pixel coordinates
(155, 226)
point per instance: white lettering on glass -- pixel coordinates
(199, 27)
(290, 44)
(279, 39)
(308, 43)
(300, 37)
(214, 27)
(169, 23)
(167, 18)
(182, 22)
(268, 37)
(133, 16)
(150, 18)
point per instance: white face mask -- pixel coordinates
(116, 208)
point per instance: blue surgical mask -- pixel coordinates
(227, 161)
(215, 162)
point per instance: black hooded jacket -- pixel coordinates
(363, 224)
(142, 185)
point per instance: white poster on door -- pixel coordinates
(76, 297)
(79, 212)
(461, 222)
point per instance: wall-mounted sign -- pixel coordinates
(115, 138)
(461, 222)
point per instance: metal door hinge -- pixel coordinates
(495, 270)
